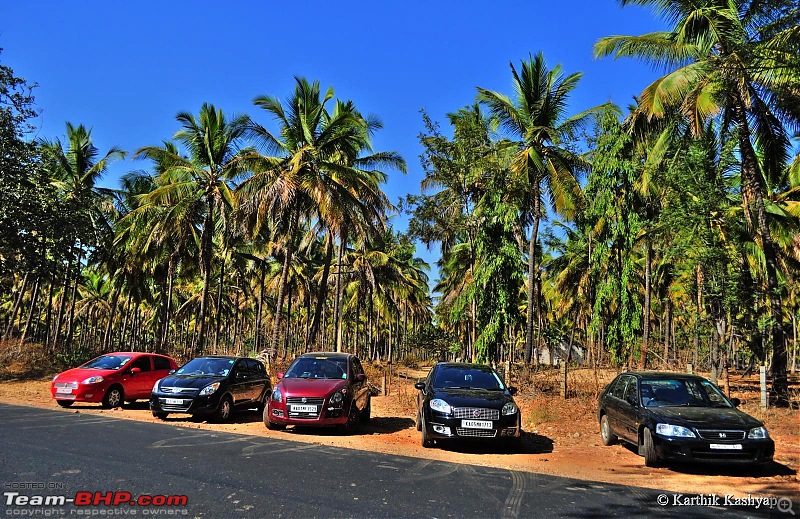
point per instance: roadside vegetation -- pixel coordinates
(650, 236)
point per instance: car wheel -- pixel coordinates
(608, 436)
(272, 426)
(65, 403)
(224, 410)
(427, 442)
(160, 415)
(366, 414)
(113, 397)
(353, 419)
(649, 450)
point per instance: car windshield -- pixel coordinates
(108, 362)
(455, 377)
(681, 392)
(317, 367)
(205, 366)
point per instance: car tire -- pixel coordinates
(224, 410)
(65, 403)
(160, 415)
(649, 450)
(353, 419)
(366, 414)
(114, 397)
(272, 426)
(427, 442)
(606, 433)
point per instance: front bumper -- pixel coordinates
(191, 404)
(693, 450)
(92, 393)
(441, 426)
(326, 415)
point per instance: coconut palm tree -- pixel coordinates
(316, 170)
(544, 165)
(735, 59)
(198, 188)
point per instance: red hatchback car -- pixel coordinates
(111, 379)
(320, 389)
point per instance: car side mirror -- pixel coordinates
(512, 390)
(279, 375)
(419, 385)
(172, 372)
(736, 402)
(135, 370)
(632, 400)
(361, 377)
(240, 375)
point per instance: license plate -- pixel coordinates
(726, 446)
(476, 424)
(64, 390)
(304, 408)
(173, 401)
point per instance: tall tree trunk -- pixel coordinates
(34, 297)
(752, 198)
(17, 301)
(667, 328)
(287, 261)
(206, 244)
(61, 305)
(337, 309)
(219, 305)
(260, 309)
(70, 321)
(647, 289)
(533, 285)
(173, 261)
(322, 293)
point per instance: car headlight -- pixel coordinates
(338, 397)
(209, 389)
(439, 405)
(675, 431)
(276, 395)
(93, 380)
(509, 408)
(155, 386)
(759, 433)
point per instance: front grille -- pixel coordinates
(73, 385)
(175, 390)
(721, 435)
(476, 413)
(178, 408)
(476, 433)
(296, 400)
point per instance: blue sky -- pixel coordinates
(126, 68)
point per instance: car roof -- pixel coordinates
(229, 357)
(464, 365)
(663, 375)
(334, 354)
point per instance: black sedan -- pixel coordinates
(212, 385)
(680, 417)
(466, 401)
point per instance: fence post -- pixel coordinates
(690, 368)
(563, 370)
(764, 395)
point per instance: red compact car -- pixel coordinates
(111, 379)
(320, 389)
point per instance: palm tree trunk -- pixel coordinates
(34, 297)
(70, 321)
(322, 293)
(260, 309)
(205, 268)
(219, 305)
(337, 309)
(287, 261)
(61, 305)
(752, 198)
(533, 285)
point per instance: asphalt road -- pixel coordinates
(54, 453)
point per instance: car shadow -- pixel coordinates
(767, 470)
(530, 443)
